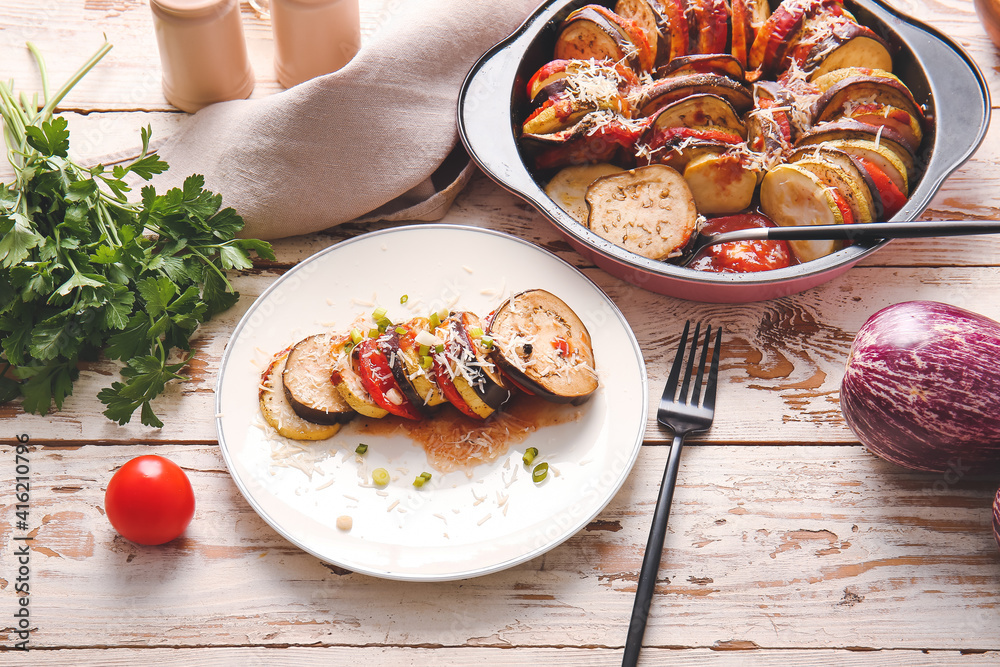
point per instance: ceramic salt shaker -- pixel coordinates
(203, 52)
(313, 37)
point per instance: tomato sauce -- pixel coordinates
(453, 441)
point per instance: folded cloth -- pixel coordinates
(359, 144)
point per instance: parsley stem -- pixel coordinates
(51, 104)
(41, 70)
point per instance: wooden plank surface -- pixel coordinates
(789, 544)
(768, 547)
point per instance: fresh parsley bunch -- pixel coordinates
(85, 271)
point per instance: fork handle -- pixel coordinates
(651, 559)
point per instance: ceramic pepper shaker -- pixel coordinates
(202, 51)
(313, 37)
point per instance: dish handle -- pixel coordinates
(961, 101)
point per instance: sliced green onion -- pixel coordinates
(476, 332)
(356, 336)
(424, 350)
(361, 449)
(425, 475)
(419, 481)
(540, 472)
(434, 321)
(378, 314)
(380, 476)
(404, 298)
(487, 342)
(401, 330)
(439, 348)
(426, 362)
(373, 333)
(384, 323)
(348, 348)
(529, 455)
(443, 313)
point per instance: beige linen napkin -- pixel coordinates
(359, 144)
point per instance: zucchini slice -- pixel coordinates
(721, 184)
(861, 47)
(278, 411)
(843, 174)
(307, 384)
(349, 384)
(541, 344)
(649, 211)
(791, 195)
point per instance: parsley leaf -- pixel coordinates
(85, 271)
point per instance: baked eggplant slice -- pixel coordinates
(864, 89)
(651, 17)
(667, 91)
(278, 412)
(703, 111)
(649, 210)
(678, 151)
(466, 366)
(704, 63)
(791, 195)
(543, 347)
(307, 384)
(595, 32)
(568, 188)
(893, 118)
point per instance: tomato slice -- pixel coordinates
(843, 206)
(892, 199)
(376, 376)
(443, 377)
(564, 347)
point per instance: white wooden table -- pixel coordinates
(788, 543)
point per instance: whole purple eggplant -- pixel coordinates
(996, 518)
(922, 387)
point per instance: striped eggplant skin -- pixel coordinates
(922, 387)
(996, 519)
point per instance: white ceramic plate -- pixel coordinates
(463, 523)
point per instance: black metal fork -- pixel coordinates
(684, 414)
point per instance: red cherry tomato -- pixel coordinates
(149, 500)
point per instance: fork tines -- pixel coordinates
(670, 390)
